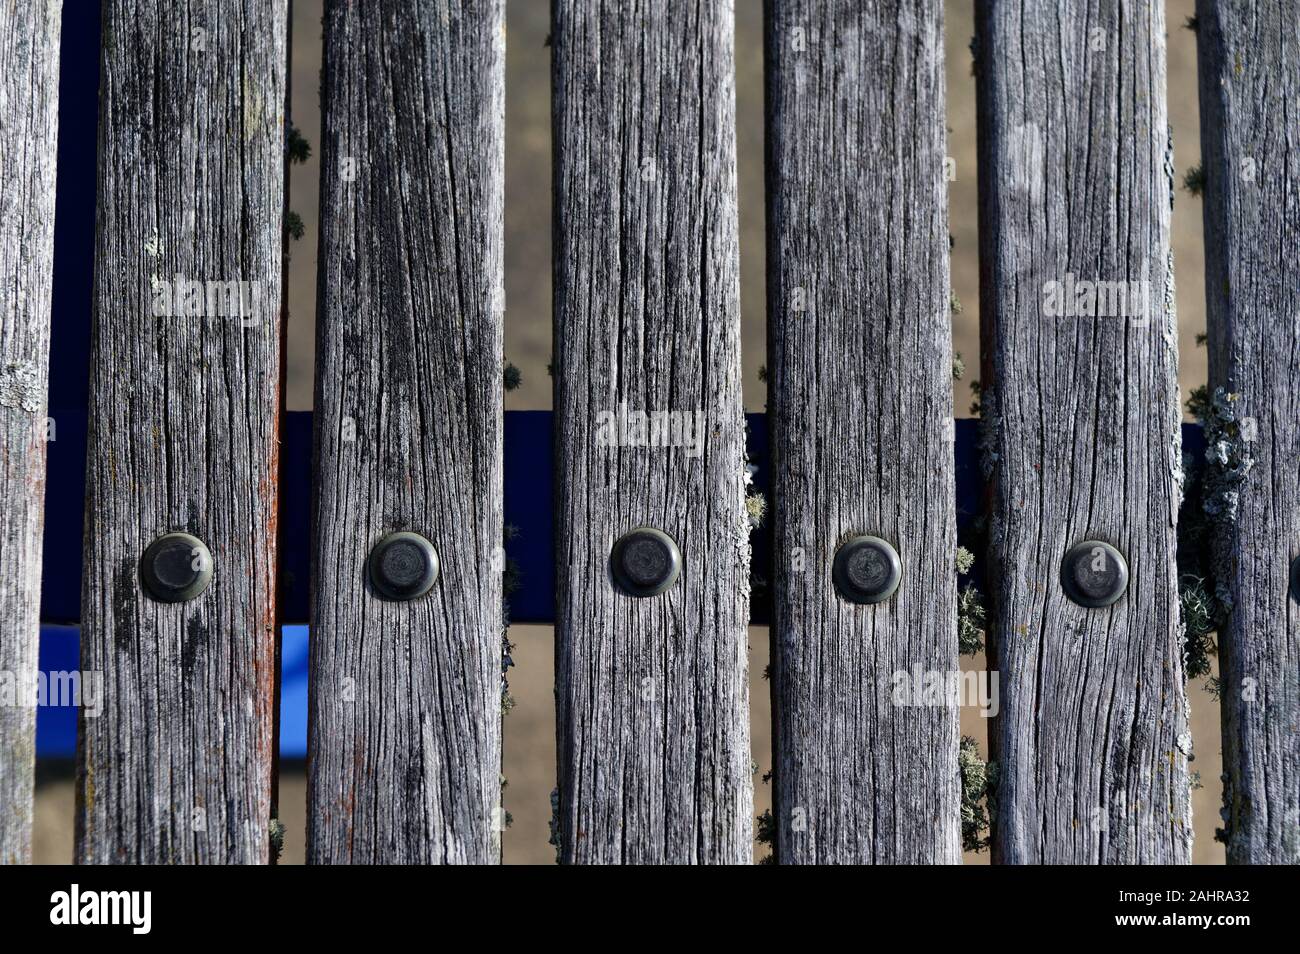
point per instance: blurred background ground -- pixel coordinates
(530, 727)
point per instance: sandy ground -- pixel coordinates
(530, 728)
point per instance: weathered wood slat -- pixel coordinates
(29, 94)
(183, 431)
(1250, 133)
(652, 703)
(1081, 430)
(405, 713)
(860, 397)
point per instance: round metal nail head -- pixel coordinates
(1295, 579)
(176, 567)
(646, 561)
(1094, 574)
(867, 570)
(403, 566)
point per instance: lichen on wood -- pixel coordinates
(1249, 68)
(29, 91)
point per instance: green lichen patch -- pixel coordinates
(1227, 453)
(1201, 614)
(971, 617)
(513, 377)
(506, 818)
(276, 833)
(765, 834)
(296, 147)
(1210, 496)
(510, 574)
(1228, 459)
(978, 784)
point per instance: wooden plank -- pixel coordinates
(1250, 130)
(405, 713)
(860, 398)
(29, 92)
(1081, 430)
(652, 705)
(183, 431)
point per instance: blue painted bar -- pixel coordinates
(529, 489)
(295, 490)
(56, 726)
(65, 504)
(74, 269)
(74, 209)
(293, 692)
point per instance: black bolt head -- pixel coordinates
(1295, 579)
(867, 570)
(403, 566)
(645, 561)
(1094, 574)
(176, 567)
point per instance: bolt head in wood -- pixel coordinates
(867, 570)
(1094, 574)
(645, 561)
(1295, 579)
(176, 567)
(403, 566)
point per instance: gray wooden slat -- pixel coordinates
(652, 704)
(1081, 431)
(1250, 132)
(29, 90)
(405, 713)
(860, 397)
(184, 430)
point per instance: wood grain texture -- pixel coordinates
(184, 410)
(1081, 431)
(1250, 134)
(652, 702)
(405, 709)
(860, 398)
(29, 100)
